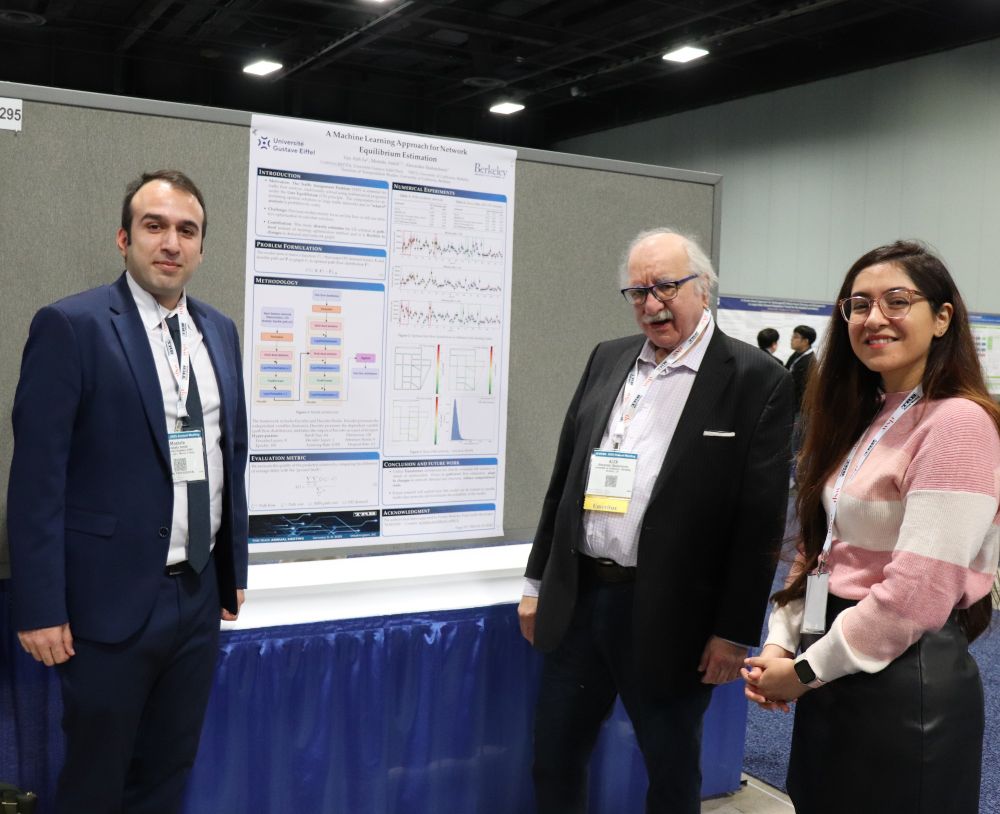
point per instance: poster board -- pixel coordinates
(65, 172)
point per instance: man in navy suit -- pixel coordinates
(651, 566)
(127, 507)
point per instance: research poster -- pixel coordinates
(743, 317)
(986, 334)
(377, 332)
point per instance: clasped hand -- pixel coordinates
(771, 681)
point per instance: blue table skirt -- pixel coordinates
(417, 714)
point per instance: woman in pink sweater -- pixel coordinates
(899, 490)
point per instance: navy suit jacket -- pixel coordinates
(90, 500)
(709, 538)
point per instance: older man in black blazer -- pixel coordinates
(654, 590)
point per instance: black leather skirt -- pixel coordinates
(906, 739)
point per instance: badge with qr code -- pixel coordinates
(609, 485)
(187, 456)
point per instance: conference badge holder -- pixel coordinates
(187, 456)
(817, 590)
(609, 484)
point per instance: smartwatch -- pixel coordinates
(807, 675)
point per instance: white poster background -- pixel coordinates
(377, 335)
(743, 317)
(986, 334)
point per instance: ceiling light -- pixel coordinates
(506, 108)
(262, 67)
(685, 54)
(12, 16)
(483, 82)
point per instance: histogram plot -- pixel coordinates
(471, 420)
(411, 365)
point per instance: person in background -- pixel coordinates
(767, 341)
(800, 365)
(655, 550)
(899, 491)
(801, 361)
(127, 513)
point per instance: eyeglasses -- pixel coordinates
(894, 304)
(664, 292)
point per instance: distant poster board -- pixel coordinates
(986, 333)
(743, 317)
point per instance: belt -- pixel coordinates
(604, 570)
(178, 568)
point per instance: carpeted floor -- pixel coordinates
(769, 733)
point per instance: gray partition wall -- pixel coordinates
(62, 180)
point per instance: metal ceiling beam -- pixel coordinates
(57, 9)
(223, 20)
(629, 41)
(714, 37)
(353, 39)
(148, 14)
(189, 15)
(868, 14)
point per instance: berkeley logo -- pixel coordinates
(492, 170)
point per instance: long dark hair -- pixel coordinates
(843, 396)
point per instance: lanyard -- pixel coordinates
(801, 357)
(178, 360)
(632, 399)
(914, 396)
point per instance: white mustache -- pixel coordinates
(661, 316)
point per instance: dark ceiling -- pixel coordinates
(435, 66)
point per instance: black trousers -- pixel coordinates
(908, 738)
(132, 712)
(580, 681)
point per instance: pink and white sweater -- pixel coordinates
(916, 536)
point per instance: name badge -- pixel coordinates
(817, 590)
(187, 456)
(609, 484)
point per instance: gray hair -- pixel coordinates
(698, 261)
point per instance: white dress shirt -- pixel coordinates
(152, 316)
(616, 536)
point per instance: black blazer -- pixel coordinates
(716, 516)
(801, 369)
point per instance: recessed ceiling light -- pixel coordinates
(685, 54)
(12, 16)
(506, 108)
(262, 67)
(483, 82)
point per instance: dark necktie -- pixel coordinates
(199, 514)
